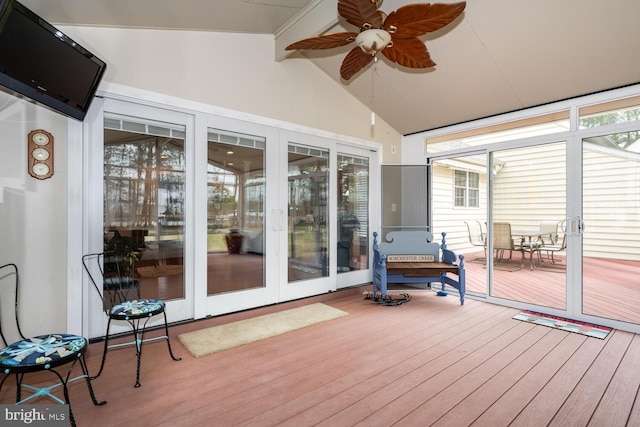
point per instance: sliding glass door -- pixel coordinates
(561, 191)
(504, 210)
(611, 204)
(528, 210)
(459, 206)
(307, 199)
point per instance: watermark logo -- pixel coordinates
(34, 415)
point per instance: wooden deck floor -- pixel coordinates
(430, 361)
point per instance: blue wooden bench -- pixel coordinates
(413, 257)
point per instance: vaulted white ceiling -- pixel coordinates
(498, 56)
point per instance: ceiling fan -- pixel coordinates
(395, 35)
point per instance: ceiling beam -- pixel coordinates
(316, 18)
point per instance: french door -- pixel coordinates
(227, 214)
(277, 209)
(139, 167)
(358, 179)
(272, 216)
(268, 209)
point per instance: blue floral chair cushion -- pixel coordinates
(41, 352)
(136, 309)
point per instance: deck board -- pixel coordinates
(579, 406)
(541, 409)
(620, 396)
(531, 373)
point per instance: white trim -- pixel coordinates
(75, 136)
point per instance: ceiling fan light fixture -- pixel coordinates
(395, 35)
(373, 41)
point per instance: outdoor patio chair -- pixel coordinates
(137, 312)
(41, 353)
(549, 232)
(477, 238)
(504, 241)
(554, 240)
(560, 246)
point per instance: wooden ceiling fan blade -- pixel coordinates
(417, 19)
(326, 41)
(355, 61)
(411, 53)
(360, 12)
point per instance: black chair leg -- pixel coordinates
(85, 371)
(166, 331)
(139, 332)
(65, 391)
(139, 337)
(104, 352)
(19, 387)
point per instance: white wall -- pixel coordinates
(33, 218)
(235, 71)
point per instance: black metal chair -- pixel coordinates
(42, 353)
(137, 312)
(118, 281)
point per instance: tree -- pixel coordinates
(619, 140)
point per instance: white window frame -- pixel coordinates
(467, 189)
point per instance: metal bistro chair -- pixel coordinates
(42, 353)
(137, 312)
(119, 282)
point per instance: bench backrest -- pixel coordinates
(408, 243)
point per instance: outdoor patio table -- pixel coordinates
(531, 242)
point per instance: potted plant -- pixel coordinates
(124, 250)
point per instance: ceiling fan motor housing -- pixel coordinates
(373, 41)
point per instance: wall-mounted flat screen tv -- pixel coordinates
(40, 62)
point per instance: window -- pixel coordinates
(467, 189)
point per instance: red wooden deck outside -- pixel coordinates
(611, 288)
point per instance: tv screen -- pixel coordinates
(40, 62)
